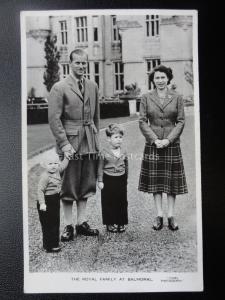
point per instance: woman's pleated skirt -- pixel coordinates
(162, 170)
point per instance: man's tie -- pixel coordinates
(81, 87)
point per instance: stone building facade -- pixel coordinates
(121, 49)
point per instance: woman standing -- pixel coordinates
(161, 122)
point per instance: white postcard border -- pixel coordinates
(111, 282)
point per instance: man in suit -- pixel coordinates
(74, 121)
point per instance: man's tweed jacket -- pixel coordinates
(73, 117)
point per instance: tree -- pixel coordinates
(52, 56)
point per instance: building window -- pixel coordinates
(115, 30)
(96, 72)
(95, 28)
(63, 31)
(151, 64)
(152, 25)
(65, 70)
(119, 76)
(87, 71)
(82, 32)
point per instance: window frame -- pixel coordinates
(152, 25)
(87, 71)
(151, 63)
(81, 24)
(115, 30)
(118, 76)
(97, 75)
(63, 32)
(95, 20)
(65, 69)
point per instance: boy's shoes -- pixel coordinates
(158, 224)
(121, 228)
(115, 228)
(53, 250)
(172, 225)
(111, 228)
(84, 229)
(68, 234)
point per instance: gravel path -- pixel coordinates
(140, 248)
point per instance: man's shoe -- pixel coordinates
(68, 234)
(172, 225)
(84, 229)
(158, 224)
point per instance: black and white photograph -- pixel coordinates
(111, 160)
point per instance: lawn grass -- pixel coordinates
(40, 137)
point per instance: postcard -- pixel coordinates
(111, 151)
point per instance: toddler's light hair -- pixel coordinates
(49, 156)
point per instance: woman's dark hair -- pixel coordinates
(163, 69)
(114, 129)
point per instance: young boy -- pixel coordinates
(48, 203)
(112, 180)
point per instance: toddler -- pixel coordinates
(48, 203)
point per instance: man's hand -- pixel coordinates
(100, 185)
(68, 151)
(43, 207)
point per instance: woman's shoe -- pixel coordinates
(158, 224)
(111, 228)
(121, 228)
(172, 225)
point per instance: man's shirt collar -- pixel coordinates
(78, 80)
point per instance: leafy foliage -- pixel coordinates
(52, 56)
